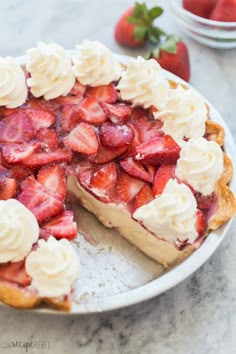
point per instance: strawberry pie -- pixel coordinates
(137, 150)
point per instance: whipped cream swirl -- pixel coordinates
(184, 114)
(172, 215)
(54, 267)
(13, 89)
(143, 83)
(19, 230)
(95, 64)
(201, 164)
(50, 68)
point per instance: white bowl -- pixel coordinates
(214, 34)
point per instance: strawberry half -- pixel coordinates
(162, 150)
(16, 128)
(135, 169)
(115, 136)
(202, 8)
(105, 155)
(39, 159)
(103, 181)
(90, 111)
(53, 178)
(15, 272)
(162, 176)
(8, 188)
(128, 187)
(118, 113)
(173, 56)
(82, 139)
(61, 226)
(40, 119)
(42, 203)
(144, 196)
(103, 93)
(16, 153)
(225, 10)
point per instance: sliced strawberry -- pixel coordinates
(137, 112)
(105, 155)
(82, 139)
(48, 139)
(136, 140)
(61, 226)
(42, 203)
(135, 169)
(16, 153)
(104, 180)
(44, 158)
(16, 128)
(162, 176)
(158, 151)
(114, 136)
(128, 187)
(205, 201)
(40, 119)
(53, 178)
(20, 172)
(15, 272)
(103, 93)
(3, 171)
(201, 224)
(8, 188)
(71, 100)
(90, 111)
(148, 129)
(118, 113)
(69, 117)
(144, 196)
(41, 104)
(78, 89)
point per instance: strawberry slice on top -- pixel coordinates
(42, 158)
(62, 226)
(103, 93)
(15, 272)
(8, 187)
(40, 119)
(128, 187)
(82, 139)
(136, 169)
(16, 128)
(144, 196)
(16, 153)
(118, 113)
(115, 136)
(90, 111)
(103, 181)
(162, 176)
(53, 178)
(48, 139)
(162, 150)
(39, 200)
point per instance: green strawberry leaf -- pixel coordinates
(140, 33)
(170, 45)
(155, 12)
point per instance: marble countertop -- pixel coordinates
(199, 315)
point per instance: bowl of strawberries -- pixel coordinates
(210, 22)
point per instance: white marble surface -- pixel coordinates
(199, 315)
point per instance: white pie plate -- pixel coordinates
(114, 274)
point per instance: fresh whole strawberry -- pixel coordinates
(173, 56)
(135, 27)
(225, 11)
(202, 8)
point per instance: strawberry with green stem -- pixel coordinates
(173, 56)
(135, 27)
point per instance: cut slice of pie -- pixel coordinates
(137, 150)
